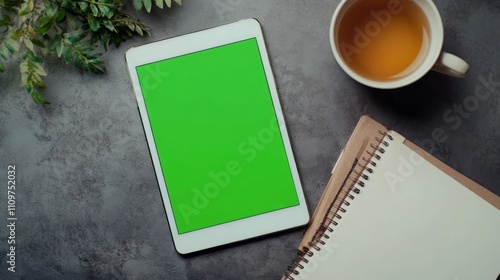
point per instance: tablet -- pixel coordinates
(217, 136)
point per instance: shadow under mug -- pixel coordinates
(434, 58)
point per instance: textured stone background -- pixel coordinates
(87, 200)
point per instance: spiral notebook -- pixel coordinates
(399, 216)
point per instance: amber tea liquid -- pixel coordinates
(383, 39)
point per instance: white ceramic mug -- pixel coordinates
(434, 58)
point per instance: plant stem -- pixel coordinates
(99, 3)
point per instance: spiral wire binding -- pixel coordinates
(357, 182)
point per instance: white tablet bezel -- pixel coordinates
(241, 229)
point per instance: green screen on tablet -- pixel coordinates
(217, 137)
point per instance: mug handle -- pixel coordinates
(451, 65)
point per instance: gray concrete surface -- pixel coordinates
(88, 204)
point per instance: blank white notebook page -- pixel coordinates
(410, 221)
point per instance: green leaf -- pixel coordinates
(94, 56)
(106, 11)
(169, 3)
(96, 68)
(94, 9)
(131, 26)
(4, 52)
(93, 23)
(24, 67)
(43, 25)
(24, 10)
(78, 61)
(17, 34)
(75, 36)
(60, 16)
(6, 20)
(85, 67)
(37, 80)
(68, 55)
(38, 43)
(2, 67)
(43, 30)
(28, 44)
(68, 4)
(24, 78)
(59, 47)
(36, 96)
(38, 68)
(31, 5)
(11, 45)
(147, 5)
(105, 42)
(83, 6)
(51, 11)
(139, 30)
(43, 20)
(109, 25)
(137, 5)
(159, 3)
(33, 57)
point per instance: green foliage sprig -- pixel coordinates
(31, 30)
(138, 4)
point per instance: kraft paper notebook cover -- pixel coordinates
(474, 249)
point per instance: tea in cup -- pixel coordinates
(391, 43)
